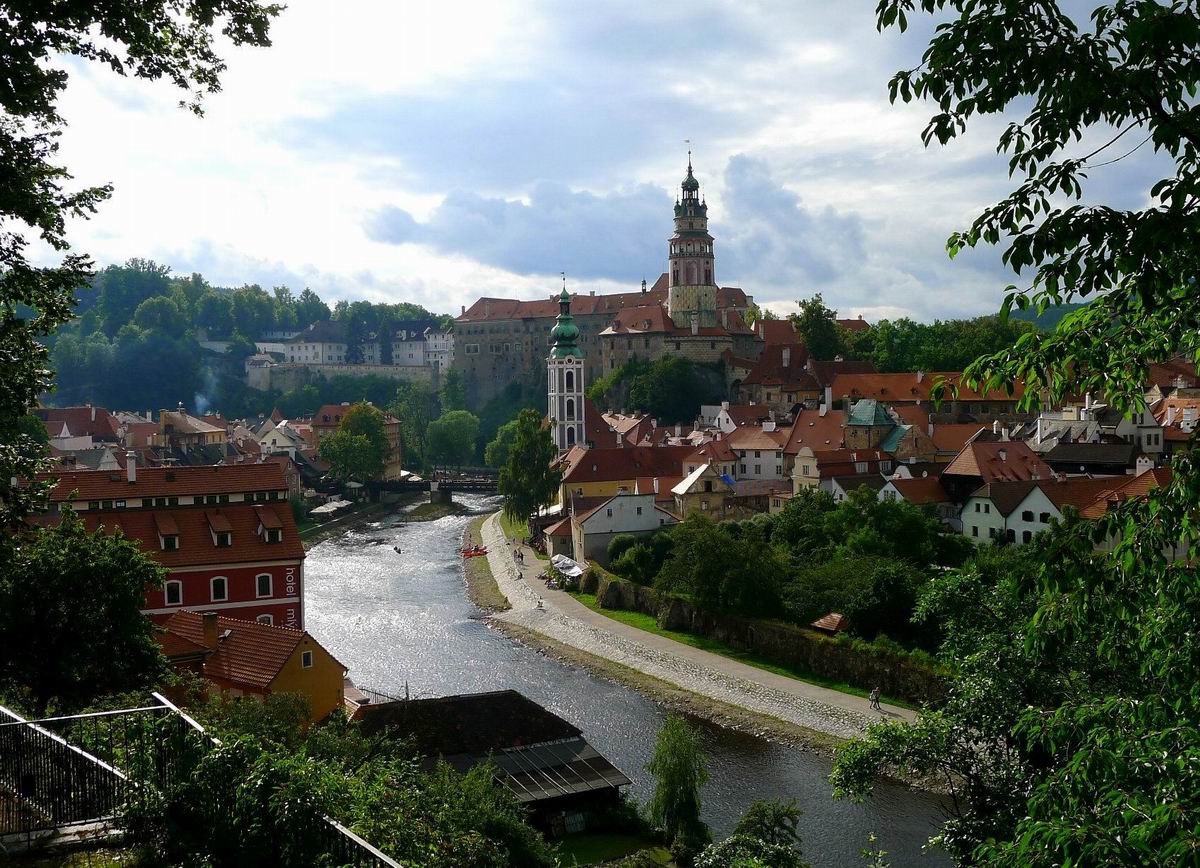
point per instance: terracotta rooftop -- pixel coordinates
(922, 490)
(1129, 488)
(493, 309)
(166, 481)
(614, 464)
(998, 461)
(774, 332)
(910, 387)
(80, 421)
(770, 369)
(950, 439)
(815, 431)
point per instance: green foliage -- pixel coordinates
(817, 327)
(1070, 735)
(70, 616)
(365, 420)
(527, 481)
(502, 409)
(876, 594)
(496, 453)
(351, 457)
(680, 770)
(771, 821)
(620, 544)
(450, 438)
(413, 406)
(672, 390)
(745, 851)
(453, 394)
(160, 314)
(943, 345)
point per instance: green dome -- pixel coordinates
(690, 182)
(565, 334)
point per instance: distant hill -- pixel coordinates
(1048, 320)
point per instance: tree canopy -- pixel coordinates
(1071, 733)
(527, 481)
(450, 438)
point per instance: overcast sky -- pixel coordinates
(436, 152)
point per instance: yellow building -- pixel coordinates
(249, 658)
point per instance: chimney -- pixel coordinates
(464, 310)
(930, 427)
(93, 409)
(1004, 433)
(643, 286)
(131, 466)
(725, 318)
(487, 308)
(1002, 454)
(678, 429)
(995, 426)
(787, 356)
(1170, 416)
(210, 629)
(828, 400)
(1039, 430)
(920, 376)
(846, 406)
(655, 478)
(762, 330)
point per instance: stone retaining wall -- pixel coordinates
(842, 659)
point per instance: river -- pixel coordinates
(403, 622)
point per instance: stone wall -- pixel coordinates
(857, 663)
(288, 376)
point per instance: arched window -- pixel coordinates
(570, 409)
(570, 436)
(570, 381)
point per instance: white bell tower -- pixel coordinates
(564, 378)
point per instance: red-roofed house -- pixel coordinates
(818, 468)
(780, 379)
(916, 388)
(627, 513)
(225, 534)
(983, 462)
(249, 658)
(604, 472)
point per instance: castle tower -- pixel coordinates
(692, 289)
(565, 378)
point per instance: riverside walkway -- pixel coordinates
(568, 621)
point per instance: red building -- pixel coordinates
(226, 534)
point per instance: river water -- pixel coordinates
(402, 621)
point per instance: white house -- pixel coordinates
(759, 451)
(439, 348)
(636, 514)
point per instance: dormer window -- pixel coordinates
(169, 542)
(224, 539)
(274, 535)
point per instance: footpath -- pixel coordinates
(566, 620)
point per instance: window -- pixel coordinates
(224, 539)
(262, 584)
(978, 506)
(219, 588)
(265, 619)
(306, 659)
(704, 505)
(120, 504)
(1027, 515)
(570, 381)
(570, 409)
(173, 593)
(974, 530)
(860, 467)
(170, 542)
(639, 510)
(758, 470)
(743, 470)
(757, 454)
(609, 511)
(93, 504)
(1026, 536)
(274, 535)
(987, 507)
(992, 532)
(1044, 518)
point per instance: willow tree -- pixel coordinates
(1071, 734)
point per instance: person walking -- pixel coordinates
(874, 697)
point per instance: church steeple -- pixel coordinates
(564, 336)
(564, 377)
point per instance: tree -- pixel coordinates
(453, 393)
(71, 623)
(680, 770)
(363, 419)
(253, 311)
(450, 438)
(672, 389)
(745, 851)
(163, 39)
(772, 822)
(161, 314)
(1072, 729)
(818, 329)
(310, 309)
(413, 406)
(528, 481)
(496, 453)
(121, 289)
(351, 457)
(214, 314)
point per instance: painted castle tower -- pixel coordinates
(692, 289)
(565, 378)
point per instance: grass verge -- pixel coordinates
(481, 584)
(590, 849)
(647, 623)
(518, 530)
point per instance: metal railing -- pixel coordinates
(64, 772)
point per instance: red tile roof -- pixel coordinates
(774, 332)
(832, 463)
(952, 438)
(80, 422)
(1130, 488)
(196, 544)
(924, 489)
(1077, 491)
(754, 437)
(825, 372)
(173, 645)
(166, 481)
(615, 464)
(911, 387)
(998, 461)
(854, 325)
(250, 653)
(815, 431)
(834, 622)
(491, 309)
(770, 370)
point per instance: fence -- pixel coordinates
(60, 773)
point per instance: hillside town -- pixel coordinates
(430, 457)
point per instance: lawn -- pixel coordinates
(518, 530)
(588, 849)
(647, 622)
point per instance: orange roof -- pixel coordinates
(911, 387)
(196, 546)
(911, 414)
(560, 528)
(774, 332)
(815, 431)
(491, 309)
(952, 438)
(250, 653)
(754, 437)
(834, 622)
(924, 489)
(1077, 491)
(854, 325)
(1129, 488)
(615, 464)
(714, 450)
(173, 645)
(166, 481)
(771, 370)
(80, 422)
(998, 461)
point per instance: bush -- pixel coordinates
(620, 544)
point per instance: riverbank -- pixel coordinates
(809, 714)
(482, 589)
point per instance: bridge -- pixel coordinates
(443, 483)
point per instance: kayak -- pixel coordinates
(474, 552)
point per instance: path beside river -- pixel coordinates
(568, 622)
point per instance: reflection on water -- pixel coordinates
(403, 619)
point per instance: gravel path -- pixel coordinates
(568, 621)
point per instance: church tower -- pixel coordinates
(565, 378)
(692, 289)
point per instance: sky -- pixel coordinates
(437, 152)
